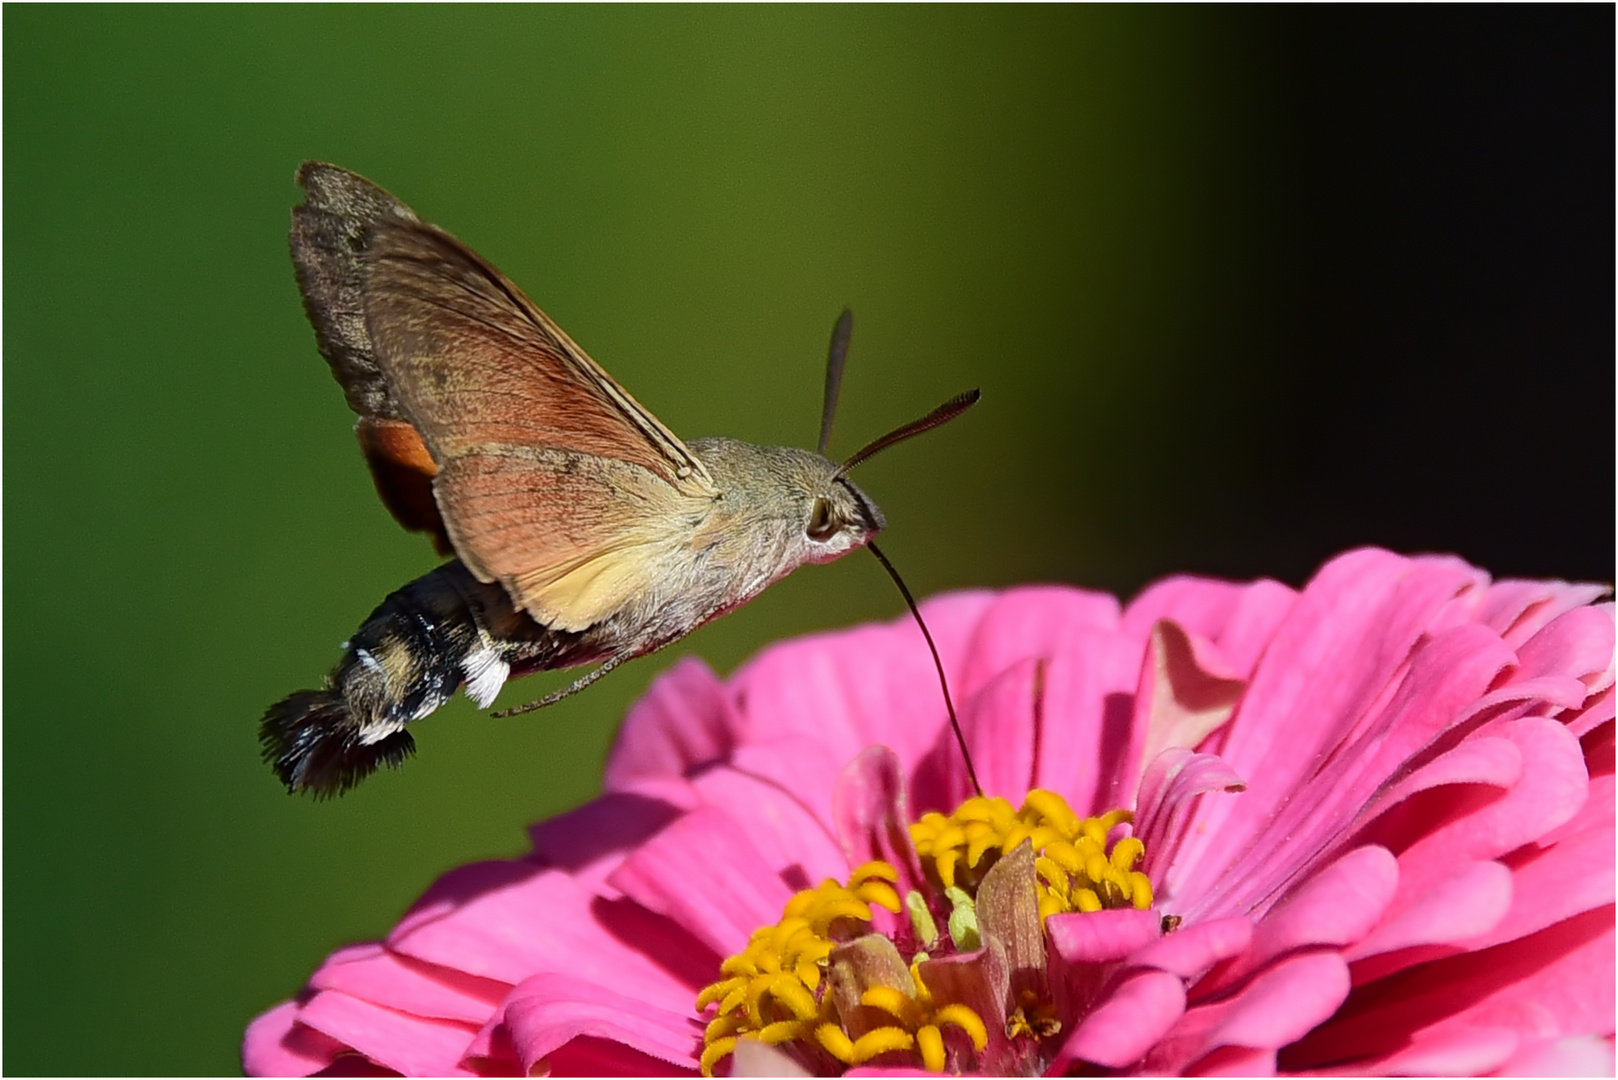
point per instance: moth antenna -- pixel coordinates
(946, 412)
(949, 703)
(835, 358)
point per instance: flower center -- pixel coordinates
(1077, 870)
(820, 984)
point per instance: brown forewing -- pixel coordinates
(328, 239)
(545, 462)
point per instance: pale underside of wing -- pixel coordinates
(552, 479)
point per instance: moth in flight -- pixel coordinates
(583, 530)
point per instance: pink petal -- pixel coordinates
(1283, 1003)
(1192, 950)
(1084, 741)
(873, 822)
(1555, 880)
(406, 985)
(1201, 605)
(1236, 1061)
(1469, 901)
(1578, 1055)
(1454, 1051)
(546, 1012)
(1239, 619)
(547, 923)
(590, 841)
(1279, 1004)
(849, 689)
(1333, 657)
(1597, 710)
(684, 721)
(1031, 623)
(409, 1045)
(1516, 610)
(1000, 720)
(1578, 643)
(1447, 674)
(1100, 937)
(1495, 762)
(895, 694)
(800, 763)
(1556, 982)
(590, 1056)
(705, 874)
(464, 885)
(1170, 788)
(800, 847)
(1185, 691)
(1337, 906)
(277, 1045)
(1140, 1009)
(1550, 789)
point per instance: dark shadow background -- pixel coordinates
(1242, 287)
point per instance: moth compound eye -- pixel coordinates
(822, 526)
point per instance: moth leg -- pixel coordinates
(567, 691)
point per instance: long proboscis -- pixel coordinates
(946, 412)
(943, 681)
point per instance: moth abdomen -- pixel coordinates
(312, 742)
(440, 632)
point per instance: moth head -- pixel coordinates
(838, 518)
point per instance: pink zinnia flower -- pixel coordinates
(1364, 828)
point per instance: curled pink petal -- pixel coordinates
(276, 1044)
(1186, 690)
(1100, 937)
(1467, 904)
(1284, 1003)
(547, 1012)
(413, 1046)
(1169, 789)
(1140, 1009)
(408, 985)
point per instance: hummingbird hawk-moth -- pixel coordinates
(583, 530)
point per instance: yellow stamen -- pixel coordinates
(874, 870)
(832, 1040)
(968, 1021)
(1079, 870)
(794, 995)
(930, 1041)
(780, 1032)
(893, 1001)
(879, 893)
(881, 1040)
(716, 1050)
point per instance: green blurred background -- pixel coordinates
(1241, 288)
